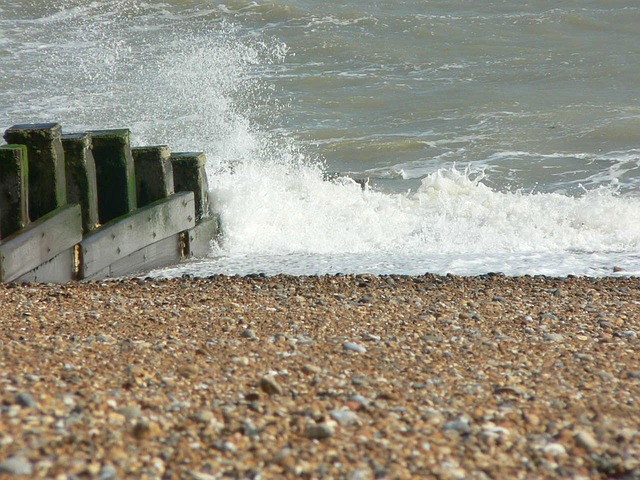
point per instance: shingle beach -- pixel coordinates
(334, 377)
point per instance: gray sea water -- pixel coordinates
(494, 135)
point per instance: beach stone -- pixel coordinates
(353, 347)
(310, 369)
(460, 425)
(586, 440)
(242, 361)
(555, 450)
(368, 337)
(361, 474)
(204, 416)
(130, 412)
(359, 400)
(320, 431)
(249, 334)
(108, 472)
(202, 476)
(16, 465)
(627, 334)
(345, 417)
(25, 399)
(285, 458)
(269, 385)
(553, 337)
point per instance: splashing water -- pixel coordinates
(193, 80)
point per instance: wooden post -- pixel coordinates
(47, 185)
(189, 175)
(115, 173)
(14, 189)
(154, 173)
(81, 177)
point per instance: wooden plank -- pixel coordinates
(168, 251)
(40, 241)
(201, 236)
(59, 269)
(132, 232)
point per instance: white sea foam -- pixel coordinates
(267, 210)
(188, 78)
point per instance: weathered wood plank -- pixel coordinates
(59, 269)
(168, 251)
(134, 231)
(201, 237)
(40, 241)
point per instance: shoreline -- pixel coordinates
(354, 376)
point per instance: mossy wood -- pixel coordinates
(154, 173)
(40, 241)
(47, 184)
(115, 173)
(189, 175)
(128, 234)
(14, 189)
(81, 177)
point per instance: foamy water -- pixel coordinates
(498, 138)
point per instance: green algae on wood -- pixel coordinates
(14, 189)
(47, 184)
(189, 175)
(154, 173)
(115, 173)
(81, 177)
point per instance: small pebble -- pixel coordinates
(353, 347)
(249, 334)
(16, 465)
(555, 449)
(25, 399)
(586, 440)
(108, 472)
(345, 417)
(627, 334)
(359, 400)
(320, 431)
(461, 425)
(269, 385)
(553, 337)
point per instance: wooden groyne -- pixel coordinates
(87, 206)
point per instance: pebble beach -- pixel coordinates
(333, 377)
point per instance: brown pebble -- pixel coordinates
(269, 385)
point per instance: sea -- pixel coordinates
(385, 137)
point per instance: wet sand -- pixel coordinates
(354, 377)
